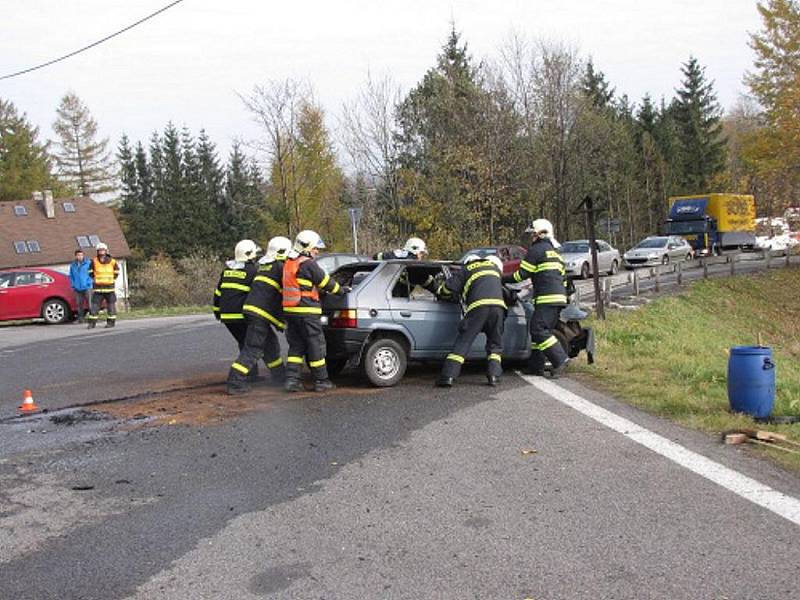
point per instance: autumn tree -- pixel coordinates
(82, 158)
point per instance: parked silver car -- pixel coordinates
(578, 258)
(389, 318)
(658, 250)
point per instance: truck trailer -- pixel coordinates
(712, 223)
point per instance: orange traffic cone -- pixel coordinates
(28, 405)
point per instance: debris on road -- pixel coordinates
(528, 451)
(759, 437)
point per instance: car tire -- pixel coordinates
(385, 361)
(585, 271)
(55, 311)
(614, 268)
(665, 260)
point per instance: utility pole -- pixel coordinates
(590, 210)
(355, 218)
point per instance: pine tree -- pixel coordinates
(82, 159)
(24, 160)
(698, 116)
(595, 87)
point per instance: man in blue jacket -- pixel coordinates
(81, 282)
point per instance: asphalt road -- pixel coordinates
(412, 492)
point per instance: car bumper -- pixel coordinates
(344, 342)
(641, 262)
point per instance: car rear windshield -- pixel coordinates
(652, 243)
(353, 274)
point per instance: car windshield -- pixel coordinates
(353, 274)
(574, 248)
(652, 243)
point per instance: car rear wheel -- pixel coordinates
(585, 271)
(385, 362)
(614, 268)
(55, 311)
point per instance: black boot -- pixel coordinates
(444, 381)
(493, 380)
(110, 323)
(558, 371)
(323, 385)
(237, 388)
(277, 376)
(92, 324)
(293, 385)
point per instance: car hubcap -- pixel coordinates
(386, 363)
(54, 312)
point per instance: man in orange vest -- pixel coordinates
(103, 271)
(303, 279)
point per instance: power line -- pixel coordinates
(93, 44)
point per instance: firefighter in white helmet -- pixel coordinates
(478, 286)
(104, 271)
(414, 249)
(544, 266)
(263, 313)
(303, 280)
(233, 287)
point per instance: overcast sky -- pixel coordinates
(187, 64)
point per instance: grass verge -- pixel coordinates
(671, 356)
(169, 311)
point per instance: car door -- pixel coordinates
(516, 339)
(431, 323)
(603, 257)
(7, 304)
(29, 292)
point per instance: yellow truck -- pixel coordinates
(712, 223)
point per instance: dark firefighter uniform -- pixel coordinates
(232, 290)
(103, 271)
(400, 254)
(479, 287)
(545, 267)
(263, 313)
(303, 279)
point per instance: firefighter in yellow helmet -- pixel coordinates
(303, 279)
(104, 271)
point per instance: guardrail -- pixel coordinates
(633, 279)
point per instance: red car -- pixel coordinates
(511, 255)
(34, 293)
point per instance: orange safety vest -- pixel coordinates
(292, 294)
(104, 273)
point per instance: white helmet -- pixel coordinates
(471, 258)
(415, 246)
(306, 240)
(246, 250)
(496, 261)
(101, 246)
(278, 247)
(541, 227)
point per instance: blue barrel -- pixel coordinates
(751, 380)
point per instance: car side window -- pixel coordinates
(517, 253)
(28, 278)
(503, 254)
(411, 281)
(6, 279)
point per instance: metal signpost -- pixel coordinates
(355, 219)
(587, 206)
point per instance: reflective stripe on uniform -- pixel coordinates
(456, 357)
(215, 308)
(268, 281)
(217, 293)
(531, 268)
(314, 364)
(548, 343)
(486, 302)
(234, 286)
(551, 299)
(264, 314)
(324, 281)
(303, 310)
(306, 282)
(336, 287)
(475, 276)
(517, 276)
(277, 363)
(111, 317)
(295, 360)
(553, 254)
(231, 316)
(550, 266)
(241, 368)
(494, 356)
(103, 290)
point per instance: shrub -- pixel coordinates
(161, 282)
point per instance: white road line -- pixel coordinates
(781, 504)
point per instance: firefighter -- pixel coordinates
(478, 285)
(303, 279)
(263, 313)
(233, 287)
(103, 271)
(545, 267)
(414, 249)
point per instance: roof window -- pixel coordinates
(20, 210)
(33, 246)
(69, 207)
(20, 247)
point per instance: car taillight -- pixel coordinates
(344, 318)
